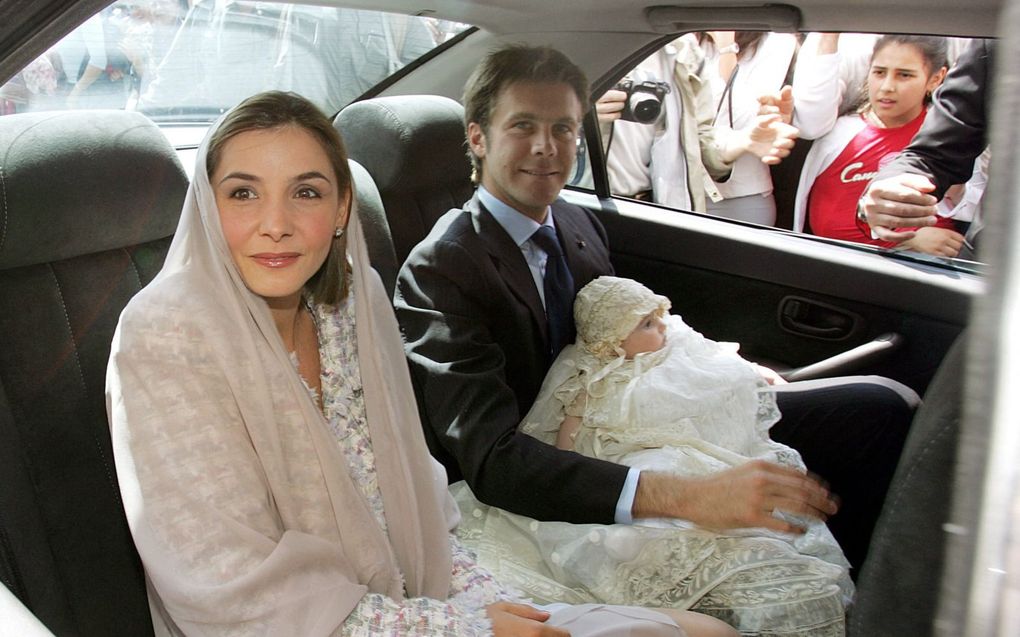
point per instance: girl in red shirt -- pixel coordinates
(904, 71)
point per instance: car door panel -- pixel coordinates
(740, 283)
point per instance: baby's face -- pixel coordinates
(648, 336)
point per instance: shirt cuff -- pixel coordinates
(625, 505)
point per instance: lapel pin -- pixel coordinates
(581, 244)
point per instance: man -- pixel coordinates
(481, 323)
(905, 192)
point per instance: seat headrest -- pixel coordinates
(75, 183)
(407, 142)
(374, 225)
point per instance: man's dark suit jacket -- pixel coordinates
(477, 343)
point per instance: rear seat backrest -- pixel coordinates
(414, 148)
(88, 204)
(374, 226)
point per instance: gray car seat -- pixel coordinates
(88, 204)
(374, 226)
(413, 147)
(898, 588)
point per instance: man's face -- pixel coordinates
(528, 151)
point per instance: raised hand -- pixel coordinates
(609, 107)
(771, 139)
(780, 103)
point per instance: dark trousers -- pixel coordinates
(850, 432)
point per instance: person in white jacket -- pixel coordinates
(678, 159)
(741, 67)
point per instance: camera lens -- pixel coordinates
(645, 107)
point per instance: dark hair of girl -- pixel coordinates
(933, 49)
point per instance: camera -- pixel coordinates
(644, 100)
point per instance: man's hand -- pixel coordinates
(742, 497)
(780, 103)
(520, 620)
(941, 242)
(609, 107)
(903, 201)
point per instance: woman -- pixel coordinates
(268, 448)
(741, 66)
(903, 73)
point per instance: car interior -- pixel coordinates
(90, 202)
(74, 250)
(413, 148)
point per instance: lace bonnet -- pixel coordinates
(608, 309)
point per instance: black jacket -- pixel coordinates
(477, 344)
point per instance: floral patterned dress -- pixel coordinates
(471, 588)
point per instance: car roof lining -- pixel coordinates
(29, 27)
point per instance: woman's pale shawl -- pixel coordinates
(236, 493)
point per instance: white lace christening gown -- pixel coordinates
(693, 408)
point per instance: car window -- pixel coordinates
(686, 128)
(176, 63)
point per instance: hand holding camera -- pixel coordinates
(643, 101)
(631, 101)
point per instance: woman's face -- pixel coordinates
(648, 336)
(279, 205)
(898, 82)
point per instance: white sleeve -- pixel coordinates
(817, 90)
(762, 74)
(968, 208)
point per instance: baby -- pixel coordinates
(641, 388)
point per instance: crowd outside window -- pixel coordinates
(678, 158)
(903, 73)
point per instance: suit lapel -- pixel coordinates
(509, 262)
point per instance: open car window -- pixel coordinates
(671, 124)
(177, 63)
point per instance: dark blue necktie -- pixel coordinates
(559, 290)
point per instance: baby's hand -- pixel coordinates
(771, 376)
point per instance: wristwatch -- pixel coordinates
(861, 215)
(732, 47)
